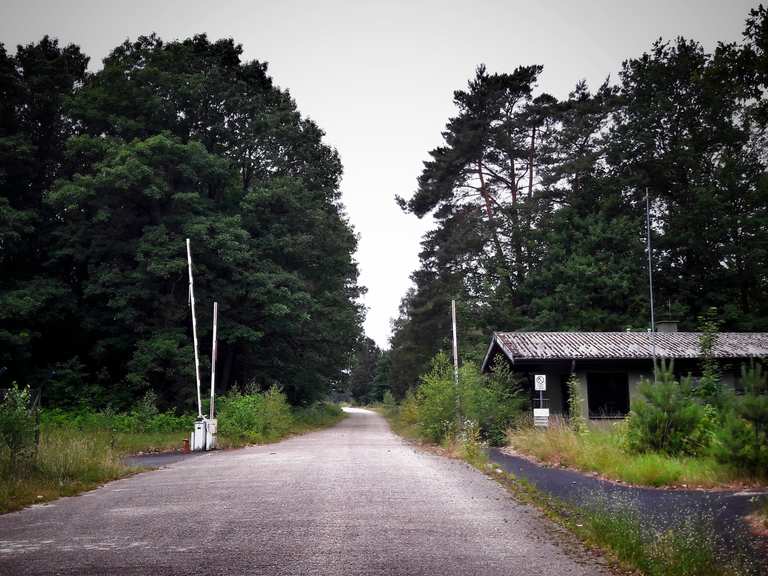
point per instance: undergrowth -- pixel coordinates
(603, 450)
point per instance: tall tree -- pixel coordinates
(168, 141)
(36, 305)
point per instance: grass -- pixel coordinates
(601, 450)
(759, 519)
(71, 460)
(66, 463)
(688, 550)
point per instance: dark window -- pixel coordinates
(608, 394)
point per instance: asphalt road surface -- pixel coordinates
(352, 499)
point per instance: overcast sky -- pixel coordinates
(378, 76)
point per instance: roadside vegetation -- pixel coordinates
(690, 549)
(677, 434)
(68, 451)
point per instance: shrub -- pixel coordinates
(318, 414)
(436, 400)
(388, 403)
(576, 420)
(255, 417)
(134, 422)
(492, 404)
(667, 418)
(409, 410)
(743, 437)
(17, 424)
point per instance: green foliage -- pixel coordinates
(743, 437)
(604, 451)
(317, 415)
(255, 417)
(668, 418)
(709, 388)
(104, 177)
(489, 404)
(576, 418)
(680, 551)
(388, 403)
(363, 384)
(143, 418)
(17, 424)
(539, 202)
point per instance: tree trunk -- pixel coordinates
(501, 260)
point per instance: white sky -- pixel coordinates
(379, 76)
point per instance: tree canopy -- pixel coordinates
(103, 176)
(539, 203)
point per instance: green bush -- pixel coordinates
(318, 414)
(17, 424)
(668, 418)
(436, 400)
(742, 441)
(576, 419)
(491, 403)
(133, 422)
(255, 417)
(388, 403)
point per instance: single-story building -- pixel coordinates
(610, 365)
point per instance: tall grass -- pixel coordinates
(66, 462)
(603, 450)
(686, 550)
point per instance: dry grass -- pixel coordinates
(65, 463)
(602, 451)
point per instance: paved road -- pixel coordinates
(353, 499)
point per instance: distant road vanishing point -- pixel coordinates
(353, 499)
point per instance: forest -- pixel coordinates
(103, 175)
(540, 203)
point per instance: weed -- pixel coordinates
(604, 451)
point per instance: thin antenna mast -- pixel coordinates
(650, 278)
(213, 355)
(194, 330)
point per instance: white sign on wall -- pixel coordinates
(541, 417)
(540, 382)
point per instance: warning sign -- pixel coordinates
(540, 382)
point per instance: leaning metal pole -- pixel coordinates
(194, 330)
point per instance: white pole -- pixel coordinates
(455, 345)
(456, 364)
(194, 330)
(213, 355)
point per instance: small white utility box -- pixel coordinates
(199, 433)
(210, 436)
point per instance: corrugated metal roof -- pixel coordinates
(626, 345)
